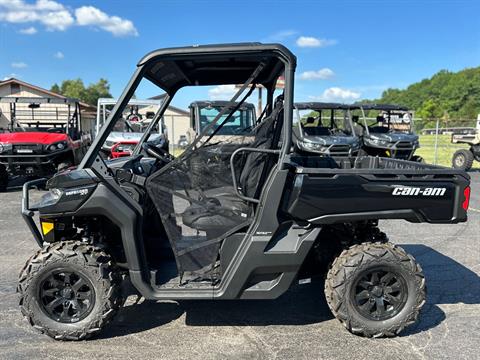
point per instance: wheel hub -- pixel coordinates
(68, 293)
(460, 160)
(377, 291)
(379, 294)
(66, 296)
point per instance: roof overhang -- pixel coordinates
(174, 68)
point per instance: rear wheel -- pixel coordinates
(375, 289)
(69, 290)
(462, 159)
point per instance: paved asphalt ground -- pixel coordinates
(296, 326)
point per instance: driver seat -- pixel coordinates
(221, 209)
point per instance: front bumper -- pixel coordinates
(32, 164)
(400, 149)
(28, 211)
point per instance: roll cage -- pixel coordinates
(173, 68)
(320, 107)
(68, 117)
(388, 109)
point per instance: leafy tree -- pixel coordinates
(450, 96)
(75, 88)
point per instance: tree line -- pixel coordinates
(450, 96)
(76, 89)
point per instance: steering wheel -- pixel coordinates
(157, 153)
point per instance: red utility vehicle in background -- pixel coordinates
(123, 148)
(39, 136)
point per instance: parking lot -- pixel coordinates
(297, 325)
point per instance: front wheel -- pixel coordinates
(375, 289)
(69, 290)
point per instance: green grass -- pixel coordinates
(445, 149)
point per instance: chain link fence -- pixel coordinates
(435, 137)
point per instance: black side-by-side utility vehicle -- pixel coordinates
(277, 218)
(390, 134)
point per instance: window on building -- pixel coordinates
(14, 89)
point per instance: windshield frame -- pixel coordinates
(331, 121)
(249, 110)
(388, 121)
(280, 53)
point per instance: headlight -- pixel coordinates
(57, 146)
(378, 142)
(5, 147)
(50, 198)
(310, 146)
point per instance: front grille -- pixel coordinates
(404, 145)
(27, 149)
(345, 149)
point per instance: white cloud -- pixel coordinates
(47, 12)
(91, 16)
(28, 31)
(222, 92)
(19, 65)
(334, 94)
(58, 55)
(310, 41)
(56, 17)
(322, 74)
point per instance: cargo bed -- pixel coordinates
(326, 190)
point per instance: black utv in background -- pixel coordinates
(389, 133)
(277, 218)
(325, 129)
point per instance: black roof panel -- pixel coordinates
(173, 68)
(385, 107)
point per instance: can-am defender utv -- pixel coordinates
(463, 159)
(325, 129)
(278, 217)
(389, 134)
(40, 136)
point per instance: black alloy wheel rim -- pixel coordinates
(66, 296)
(379, 294)
(460, 160)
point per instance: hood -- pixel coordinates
(32, 137)
(394, 137)
(331, 140)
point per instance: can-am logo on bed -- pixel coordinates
(415, 191)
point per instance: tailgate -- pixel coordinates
(431, 195)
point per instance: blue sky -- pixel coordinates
(346, 50)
